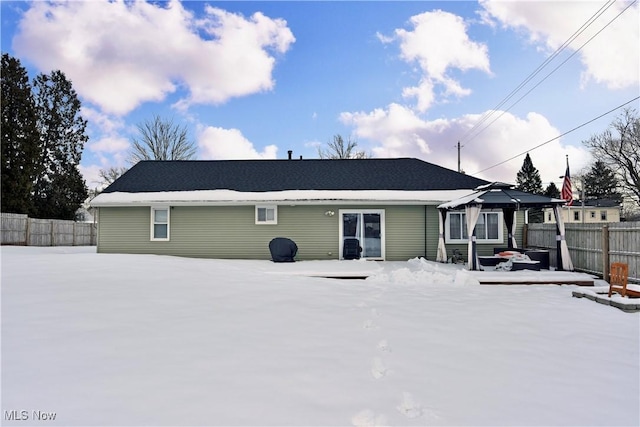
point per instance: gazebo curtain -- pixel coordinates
(472, 212)
(441, 255)
(510, 223)
(564, 258)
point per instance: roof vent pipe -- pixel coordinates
(301, 157)
(290, 153)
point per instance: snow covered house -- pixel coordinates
(233, 208)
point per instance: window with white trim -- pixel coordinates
(488, 228)
(603, 215)
(266, 214)
(160, 223)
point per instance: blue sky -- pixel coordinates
(405, 79)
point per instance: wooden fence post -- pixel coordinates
(53, 243)
(525, 235)
(73, 240)
(27, 231)
(605, 252)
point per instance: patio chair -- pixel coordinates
(351, 249)
(618, 275)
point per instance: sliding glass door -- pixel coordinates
(368, 227)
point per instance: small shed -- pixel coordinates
(499, 195)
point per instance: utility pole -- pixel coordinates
(459, 170)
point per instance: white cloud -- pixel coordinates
(398, 132)
(104, 122)
(122, 54)
(313, 144)
(438, 43)
(229, 144)
(611, 58)
(91, 175)
(109, 144)
(106, 146)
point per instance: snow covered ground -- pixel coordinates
(149, 340)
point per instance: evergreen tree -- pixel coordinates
(528, 179)
(59, 189)
(601, 182)
(20, 139)
(552, 191)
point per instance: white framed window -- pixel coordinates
(488, 228)
(576, 215)
(266, 214)
(160, 220)
(365, 225)
(603, 215)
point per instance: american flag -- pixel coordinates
(567, 193)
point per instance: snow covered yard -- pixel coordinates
(148, 340)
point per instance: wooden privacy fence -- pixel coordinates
(593, 247)
(18, 229)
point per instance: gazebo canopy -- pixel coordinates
(498, 195)
(501, 195)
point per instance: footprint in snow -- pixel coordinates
(369, 325)
(409, 407)
(384, 346)
(368, 418)
(378, 370)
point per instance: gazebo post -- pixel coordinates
(441, 255)
(472, 212)
(474, 251)
(509, 214)
(558, 249)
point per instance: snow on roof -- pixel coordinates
(461, 201)
(230, 197)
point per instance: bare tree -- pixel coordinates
(619, 147)
(109, 175)
(161, 139)
(341, 149)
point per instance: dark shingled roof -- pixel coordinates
(275, 175)
(598, 203)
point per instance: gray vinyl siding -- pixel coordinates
(404, 232)
(432, 232)
(218, 232)
(231, 232)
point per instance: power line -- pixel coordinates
(579, 31)
(559, 136)
(555, 69)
